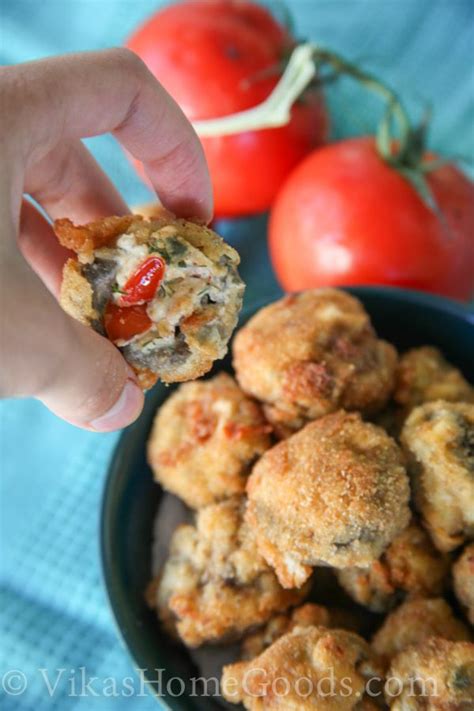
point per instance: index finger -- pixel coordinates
(90, 93)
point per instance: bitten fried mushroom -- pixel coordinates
(413, 622)
(435, 675)
(424, 375)
(204, 440)
(439, 440)
(463, 579)
(165, 291)
(308, 669)
(214, 586)
(410, 567)
(310, 354)
(336, 493)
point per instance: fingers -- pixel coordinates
(76, 373)
(88, 94)
(40, 247)
(68, 182)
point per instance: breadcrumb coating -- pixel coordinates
(439, 440)
(413, 622)
(435, 675)
(185, 326)
(215, 586)
(204, 440)
(310, 354)
(308, 669)
(307, 615)
(336, 493)
(424, 375)
(463, 580)
(410, 567)
(84, 239)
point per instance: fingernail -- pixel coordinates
(123, 412)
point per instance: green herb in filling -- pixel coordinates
(175, 247)
(170, 250)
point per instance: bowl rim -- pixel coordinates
(109, 575)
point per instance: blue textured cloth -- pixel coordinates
(53, 607)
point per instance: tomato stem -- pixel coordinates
(276, 109)
(395, 107)
(404, 152)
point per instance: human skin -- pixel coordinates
(47, 107)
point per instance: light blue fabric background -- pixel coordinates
(53, 607)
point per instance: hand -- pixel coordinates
(47, 107)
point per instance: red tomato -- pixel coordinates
(124, 322)
(142, 285)
(346, 217)
(210, 56)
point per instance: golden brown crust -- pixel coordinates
(307, 615)
(146, 377)
(76, 294)
(463, 580)
(281, 677)
(424, 375)
(214, 586)
(410, 567)
(93, 235)
(435, 675)
(439, 440)
(311, 353)
(336, 492)
(205, 438)
(413, 622)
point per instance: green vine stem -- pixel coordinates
(276, 109)
(403, 151)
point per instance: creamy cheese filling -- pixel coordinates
(191, 282)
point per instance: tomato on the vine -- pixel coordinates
(345, 216)
(218, 57)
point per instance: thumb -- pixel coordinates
(92, 386)
(76, 373)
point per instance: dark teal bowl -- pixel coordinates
(406, 318)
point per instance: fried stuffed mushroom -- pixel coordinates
(335, 493)
(463, 580)
(310, 354)
(424, 375)
(308, 669)
(307, 615)
(214, 586)
(413, 622)
(165, 291)
(410, 567)
(439, 440)
(204, 440)
(435, 675)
